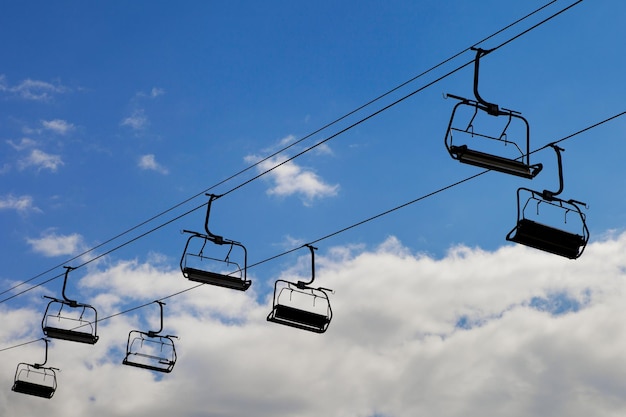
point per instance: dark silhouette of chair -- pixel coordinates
(297, 304)
(69, 320)
(198, 267)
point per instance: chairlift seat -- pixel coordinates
(497, 163)
(547, 238)
(149, 350)
(34, 380)
(71, 335)
(30, 388)
(161, 358)
(214, 278)
(159, 364)
(301, 319)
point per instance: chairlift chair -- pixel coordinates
(69, 320)
(539, 235)
(297, 304)
(519, 163)
(150, 350)
(198, 267)
(35, 379)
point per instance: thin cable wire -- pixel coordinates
(401, 99)
(354, 225)
(105, 253)
(324, 127)
(371, 115)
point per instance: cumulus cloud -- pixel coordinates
(30, 89)
(22, 204)
(290, 178)
(51, 244)
(58, 126)
(513, 332)
(41, 160)
(148, 162)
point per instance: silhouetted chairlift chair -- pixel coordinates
(69, 320)
(517, 161)
(198, 267)
(36, 379)
(299, 305)
(531, 232)
(150, 350)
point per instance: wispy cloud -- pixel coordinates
(30, 89)
(154, 93)
(58, 126)
(148, 162)
(24, 143)
(41, 160)
(51, 244)
(21, 204)
(137, 120)
(290, 178)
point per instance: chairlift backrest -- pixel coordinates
(297, 304)
(150, 350)
(198, 267)
(517, 162)
(532, 229)
(35, 379)
(70, 320)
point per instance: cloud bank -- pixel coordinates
(513, 332)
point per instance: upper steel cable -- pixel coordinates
(295, 143)
(354, 225)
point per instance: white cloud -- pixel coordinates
(137, 120)
(155, 92)
(25, 143)
(514, 332)
(41, 160)
(59, 126)
(148, 162)
(51, 244)
(289, 179)
(21, 204)
(30, 89)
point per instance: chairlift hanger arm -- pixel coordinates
(72, 303)
(491, 108)
(153, 333)
(551, 195)
(215, 238)
(302, 284)
(41, 365)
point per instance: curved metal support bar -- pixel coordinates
(153, 333)
(72, 303)
(215, 238)
(302, 284)
(41, 365)
(492, 108)
(551, 195)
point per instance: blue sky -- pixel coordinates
(112, 113)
